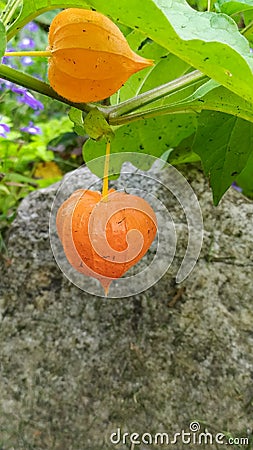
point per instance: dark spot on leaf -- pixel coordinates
(234, 173)
(207, 58)
(143, 43)
(164, 56)
(84, 31)
(201, 100)
(159, 137)
(141, 147)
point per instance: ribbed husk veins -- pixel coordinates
(104, 237)
(91, 58)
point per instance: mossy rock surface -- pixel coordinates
(75, 367)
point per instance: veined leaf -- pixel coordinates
(2, 39)
(154, 137)
(208, 41)
(224, 144)
(234, 6)
(210, 96)
(183, 152)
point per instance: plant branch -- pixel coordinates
(183, 107)
(118, 114)
(151, 96)
(15, 76)
(162, 111)
(247, 31)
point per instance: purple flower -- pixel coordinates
(8, 60)
(4, 129)
(26, 43)
(26, 61)
(5, 60)
(5, 84)
(31, 129)
(236, 187)
(30, 100)
(18, 89)
(32, 26)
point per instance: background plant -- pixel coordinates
(37, 143)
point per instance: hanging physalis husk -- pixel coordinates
(91, 58)
(103, 237)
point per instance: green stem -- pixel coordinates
(248, 30)
(116, 115)
(185, 107)
(154, 94)
(9, 11)
(15, 76)
(170, 109)
(44, 54)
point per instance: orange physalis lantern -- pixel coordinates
(103, 237)
(90, 57)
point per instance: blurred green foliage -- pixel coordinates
(37, 144)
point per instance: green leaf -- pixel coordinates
(234, 6)
(154, 137)
(2, 39)
(19, 178)
(248, 20)
(223, 143)
(96, 126)
(210, 96)
(208, 41)
(76, 116)
(245, 179)
(32, 9)
(183, 153)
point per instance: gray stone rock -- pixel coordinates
(75, 368)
